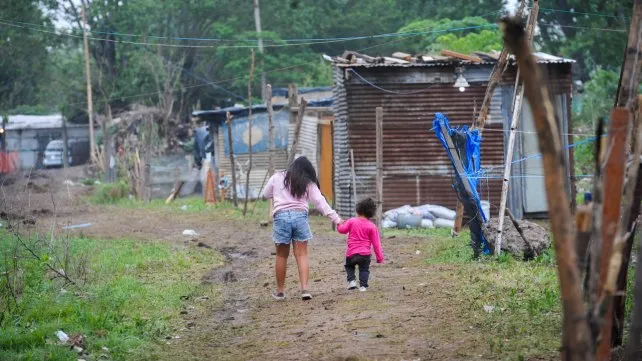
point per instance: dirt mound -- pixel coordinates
(532, 242)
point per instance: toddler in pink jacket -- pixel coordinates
(362, 237)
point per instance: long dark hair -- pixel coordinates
(299, 175)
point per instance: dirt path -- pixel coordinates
(405, 315)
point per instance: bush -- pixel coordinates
(111, 192)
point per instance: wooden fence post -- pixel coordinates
(268, 103)
(297, 130)
(228, 122)
(576, 343)
(379, 130)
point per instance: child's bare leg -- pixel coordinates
(301, 254)
(281, 265)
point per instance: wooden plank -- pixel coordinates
(454, 54)
(379, 139)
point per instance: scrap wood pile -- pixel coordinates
(138, 135)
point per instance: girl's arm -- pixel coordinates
(315, 196)
(344, 228)
(268, 191)
(376, 244)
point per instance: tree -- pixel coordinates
(24, 52)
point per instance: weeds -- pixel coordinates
(130, 295)
(110, 193)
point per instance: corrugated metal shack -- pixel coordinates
(28, 136)
(309, 142)
(415, 166)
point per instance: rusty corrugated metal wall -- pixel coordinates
(416, 167)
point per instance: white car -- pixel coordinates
(78, 153)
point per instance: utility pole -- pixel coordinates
(257, 22)
(90, 102)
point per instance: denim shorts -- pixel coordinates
(291, 225)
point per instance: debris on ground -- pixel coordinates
(62, 336)
(190, 233)
(528, 242)
(69, 182)
(84, 225)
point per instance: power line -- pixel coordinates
(310, 42)
(291, 40)
(583, 13)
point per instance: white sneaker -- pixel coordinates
(352, 285)
(363, 289)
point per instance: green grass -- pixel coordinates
(526, 319)
(131, 300)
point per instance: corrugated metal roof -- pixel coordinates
(34, 121)
(353, 59)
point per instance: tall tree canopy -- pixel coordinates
(181, 53)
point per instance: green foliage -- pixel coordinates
(599, 97)
(24, 53)
(130, 300)
(480, 37)
(109, 193)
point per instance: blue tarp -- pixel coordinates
(467, 142)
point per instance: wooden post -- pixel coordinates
(65, 144)
(90, 102)
(576, 343)
(626, 97)
(495, 77)
(354, 179)
(270, 110)
(379, 130)
(613, 185)
(634, 346)
(297, 130)
(257, 24)
(517, 112)
(249, 129)
(5, 120)
(459, 219)
(230, 143)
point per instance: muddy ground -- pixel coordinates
(407, 314)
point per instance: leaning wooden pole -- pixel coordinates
(249, 131)
(576, 341)
(270, 110)
(517, 112)
(93, 151)
(379, 140)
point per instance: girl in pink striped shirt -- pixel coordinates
(362, 236)
(291, 192)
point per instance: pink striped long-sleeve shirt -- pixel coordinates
(284, 200)
(362, 235)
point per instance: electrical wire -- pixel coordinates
(292, 40)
